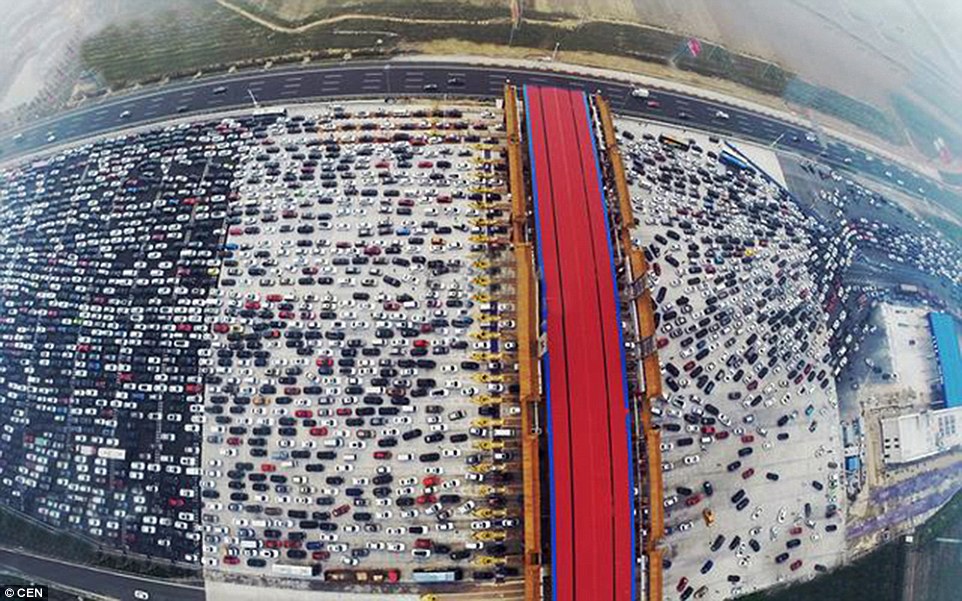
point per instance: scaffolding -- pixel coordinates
(527, 327)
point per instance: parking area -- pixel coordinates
(108, 253)
(362, 417)
(749, 419)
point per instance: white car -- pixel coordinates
(141, 595)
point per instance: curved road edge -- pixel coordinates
(107, 583)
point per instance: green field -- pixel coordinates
(209, 37)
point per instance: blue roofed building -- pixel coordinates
(946, 339)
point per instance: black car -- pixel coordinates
(719, 541)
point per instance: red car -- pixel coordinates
(382, 454)
(268, 467)
(693, 500)
(235, 441)
(426, 500)
(796, 530)
(420, 343)
(344, 411)
(431, 481)
(662, 342)
(748, 473)
(321, 555)
(341, 510)
(707, 429)
(747, 438)
(653, 104)
(303, 413)
(275, 298)
(231, 560)
(796, 564)
(422, 543)
(682, 584)
(721, 435)
(321, 431)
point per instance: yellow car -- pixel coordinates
(486, 422)
(490, 535)
(489, 445)
(486, 400)
(486, 513)
(428, 597)
(487, 378)
(487, 560)
(485, 335)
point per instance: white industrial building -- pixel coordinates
(916, 436)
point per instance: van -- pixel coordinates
(504, 433)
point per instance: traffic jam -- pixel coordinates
(750, 447)
(108, 259)
(361, 417)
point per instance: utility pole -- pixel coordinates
(253, 99)
(554, 54)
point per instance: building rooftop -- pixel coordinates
(946, 335)
(919, 435)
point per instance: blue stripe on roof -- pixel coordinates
(547, 365)
(947, 341)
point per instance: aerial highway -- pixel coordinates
(94, 580)
(394, 78)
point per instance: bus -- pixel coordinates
(728, 159)
(667, 140)
(431, 576)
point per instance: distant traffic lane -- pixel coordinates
(94, 580)
(427, 78)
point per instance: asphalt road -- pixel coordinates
(397, 78)
(94, 580)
